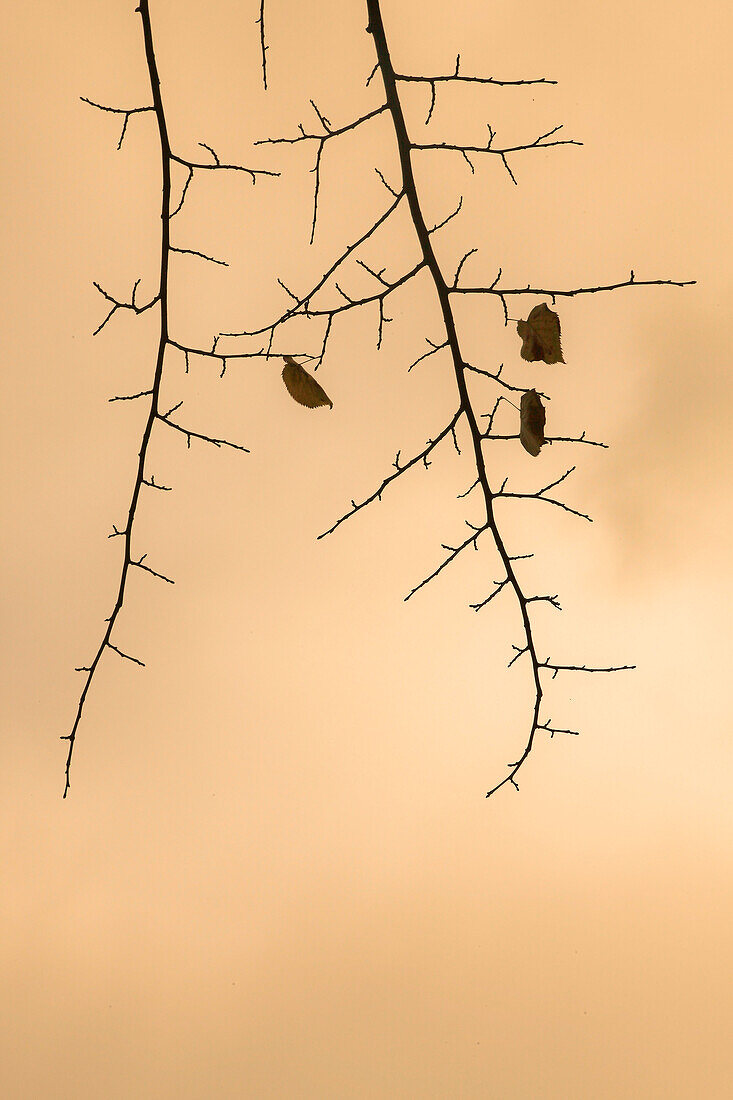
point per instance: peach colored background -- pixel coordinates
(276, 875)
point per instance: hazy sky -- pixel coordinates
(276, 875)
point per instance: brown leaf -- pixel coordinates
(532, 422)
(541, 336)
(302, 387)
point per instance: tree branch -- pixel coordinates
(399, 470)
(321, 140)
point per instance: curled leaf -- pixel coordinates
(541, 336)
(303, 387)
(532, 422)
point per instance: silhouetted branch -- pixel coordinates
(553, 294)
(139, 565)
(152, 483)
(449, 218)
(457, 77)
(126, 657)
(540, 142)
(263, 44)
(189, 434)
(583, 668)
(301, 304)
(500, 585)
(125, 111)
(496, 377)
(472, 540)
(426, 355)
(117, 304)
(552, 730)
(164, 341)
(201, 255)
(217, 166)
(321, 139)
(553, 438)
(132, 396)
(444, 290)
(399, 470)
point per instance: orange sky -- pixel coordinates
(276, 875)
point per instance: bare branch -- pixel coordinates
(131, 396)
(449, 218)
(321, 139)
(454, 552)
(552, 294)
(541, 142)
(303, 135)
(554, 438)
(431, 108)
(116, 110)
(201, 255)
(583, 668)
(552, 730)
(305, 299)
(217, 166)
(117, 304)
(139, 565)
(496, 377)
(390, 189)
(263, 45)
(152, 483)
(456, 78)
(126, 656)
(427, 354)
(125, 111)
(184, 189)
(459, 269)
(553, 600)
(539, 495)
(165, 419)
(499, 586)
(399, 470)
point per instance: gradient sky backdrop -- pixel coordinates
(276, 875)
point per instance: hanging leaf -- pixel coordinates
(302, 387)
(541, 336)
(532, 422)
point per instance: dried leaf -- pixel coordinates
(532, 422)
(541, 336)
(303, 387)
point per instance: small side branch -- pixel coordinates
(201, 255)
(118, 304)
(400, 469)
(131, 396)
(552, 730)
(541, 142)
(126, 657)
(583, 668)
(139, 564)
(456, 77)
(472, 540)
(215, 165)
(126, 112)
(189, 434)
(321, 139)
(553, 294)
(304, 300)
(554, 438)
(496, 376)
(426, 355)
(540, 495)
(500, 585)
